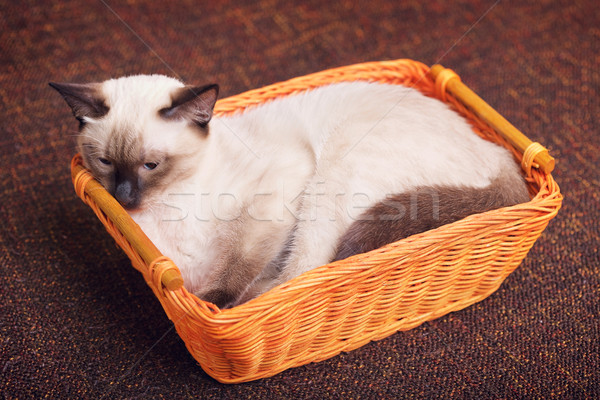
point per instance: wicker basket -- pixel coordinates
(344, 305)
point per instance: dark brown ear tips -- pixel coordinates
(194, 103)
(85, 100)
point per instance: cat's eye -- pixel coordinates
(150, 165)
(104, 161)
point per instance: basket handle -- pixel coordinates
(446, 80)
(170, 277)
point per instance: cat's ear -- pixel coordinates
(86, 100)
(194, 103)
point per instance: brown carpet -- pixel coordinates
(76, 321)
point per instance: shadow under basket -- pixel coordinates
(346, 304)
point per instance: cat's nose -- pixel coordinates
(127, 195)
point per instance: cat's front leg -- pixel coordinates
(235, 269)
(231, 275)
(247, 246)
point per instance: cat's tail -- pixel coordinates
(424, 208)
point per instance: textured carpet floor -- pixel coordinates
(76, 321)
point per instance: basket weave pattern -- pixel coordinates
(343, 305)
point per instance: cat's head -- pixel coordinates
(140, 133)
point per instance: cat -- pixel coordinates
(245, 202)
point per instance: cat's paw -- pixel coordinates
(218, 297)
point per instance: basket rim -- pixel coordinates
(366, 71)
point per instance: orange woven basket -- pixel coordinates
(344, 305)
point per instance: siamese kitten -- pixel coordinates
(245, 202)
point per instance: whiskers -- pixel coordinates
(91, 145)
